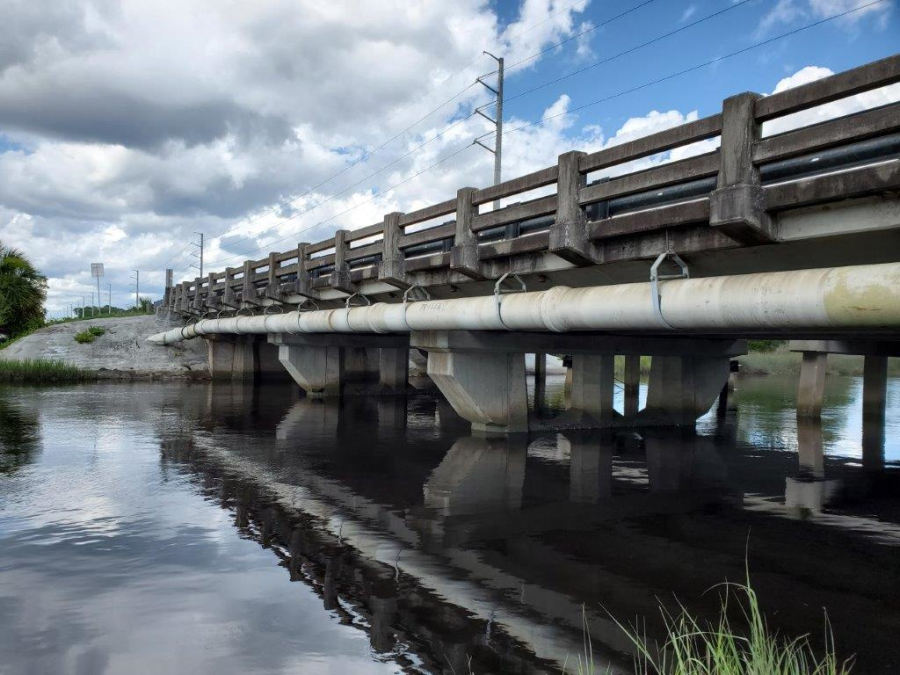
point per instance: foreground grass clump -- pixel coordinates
(40, 370)
(89, 335)
(695, 647)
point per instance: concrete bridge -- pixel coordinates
(789, 235)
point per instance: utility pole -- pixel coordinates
(199, 245)
(109, 298)
(92, 305)
(137, 288)
(497, 121)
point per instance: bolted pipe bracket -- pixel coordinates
(500, 291)
(354, 295)
(656, 277)
(409, 294)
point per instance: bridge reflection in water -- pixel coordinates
(453, 551)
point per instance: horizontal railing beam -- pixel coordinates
(509, 188)
(698, 130)
(870, 76)
(515, 213)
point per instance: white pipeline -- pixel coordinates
(862, 296)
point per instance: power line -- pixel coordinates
(368, 155)
(645, 85)
(699, 66)
(590, 29)
(352, 208)
(357, 183)
(630, 50)
(413, 150)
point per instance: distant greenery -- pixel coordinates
(89, 334)
(695, 647)
(765, 345)
(41, 370)
(22, 293)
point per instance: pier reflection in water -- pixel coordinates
(444, 551)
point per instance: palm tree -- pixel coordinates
(22, 293)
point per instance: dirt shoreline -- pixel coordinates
(121, 353)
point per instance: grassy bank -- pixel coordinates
(780, 361)
(783, 362)
(40, 371)
(696, 647)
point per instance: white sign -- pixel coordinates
(96, 269)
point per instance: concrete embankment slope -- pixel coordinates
(122, 351)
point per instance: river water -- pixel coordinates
(212, 528)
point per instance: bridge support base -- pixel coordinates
(329, 365)
(242, 358)
(593, 377)
(316, 369)
(682, 388)
(482, 375)
(488, 389)
(393, 369)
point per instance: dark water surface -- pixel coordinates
(210, 528)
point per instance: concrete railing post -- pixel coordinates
(737, 206)
(197, 305)
(393, 264)
(228, 294)
(302, 284)
(569, 233)
(248, 290)
(273, 288)
(340, 277)
(211, 299)
(464, 254)
(183, 298)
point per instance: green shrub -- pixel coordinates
(765, 345)
(96, 331)
(85, 337)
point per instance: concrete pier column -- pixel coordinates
(590, 467)
(727, 399)
(245, 361)
(486, 388)
(873, 444)
(540, 378)
(875, 376)
(812, 385)
(393, 369)
(221, 357)
(478, 475)
(683, 388)
(593, 377)
(232, 358)
(317, 370)
(632, 385)
(810, 450)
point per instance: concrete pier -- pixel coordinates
(632, 382)
(812, 385)
(682, 388)
(483, 377)
(593, 377)
(336, 365)
(488, 389)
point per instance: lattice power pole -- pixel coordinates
(497, 121)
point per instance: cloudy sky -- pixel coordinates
(128, 125)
